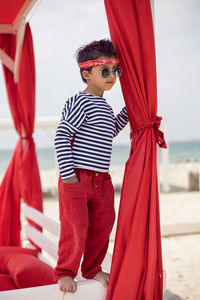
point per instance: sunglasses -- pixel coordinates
(105, 72)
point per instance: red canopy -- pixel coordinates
(9, 10)
(13, 20)
(22, 178)
(136, 271)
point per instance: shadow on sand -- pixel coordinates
(169, 296)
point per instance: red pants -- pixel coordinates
(87, 216)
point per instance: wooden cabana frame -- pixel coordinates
(17, 27)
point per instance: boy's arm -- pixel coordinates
(120, 121)
(63, 150)
(69, 125)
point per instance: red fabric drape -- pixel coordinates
(22, 178)
(136, 271)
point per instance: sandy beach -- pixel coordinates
(180, 225)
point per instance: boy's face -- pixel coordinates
(96, 80)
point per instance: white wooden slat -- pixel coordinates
(19, 43)
(45, 222)
(42, 241)
(87, 290)
(40, 122)
(42, 258)
(26, 243)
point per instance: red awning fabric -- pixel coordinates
(136, 271)
(22, 178)
(9, 10)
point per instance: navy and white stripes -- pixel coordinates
(91, 119)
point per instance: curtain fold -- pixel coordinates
(136, 271)
(22, 179)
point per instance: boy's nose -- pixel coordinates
(112, 75)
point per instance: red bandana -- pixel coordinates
(97, 62)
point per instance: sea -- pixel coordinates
(178, 151)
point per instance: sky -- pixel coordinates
(59, 28)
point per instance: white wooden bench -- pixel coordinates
(87, 289)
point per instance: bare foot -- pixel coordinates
(102, 277)
(67, 284)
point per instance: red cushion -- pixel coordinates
(6, 283)
(13, 249)
(28, 271)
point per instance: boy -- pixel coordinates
(83, 145)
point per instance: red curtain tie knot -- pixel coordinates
(26, 137)
(155, 124)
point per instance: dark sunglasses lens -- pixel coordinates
(105, 72)
(117, 71)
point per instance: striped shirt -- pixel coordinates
(91, 119)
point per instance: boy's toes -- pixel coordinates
(70, 289)
(74, 288)
(106, 282)
(102, 277)
(61, 287)
(67, 285)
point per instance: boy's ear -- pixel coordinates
(85, 75)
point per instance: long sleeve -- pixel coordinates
(73, 116)
(120, 121)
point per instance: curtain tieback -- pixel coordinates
(155, 124)
(26, 137)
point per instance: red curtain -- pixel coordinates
(22, 178)
(136, 271)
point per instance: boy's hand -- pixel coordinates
(71, 180)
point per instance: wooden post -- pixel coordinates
(194, 181)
